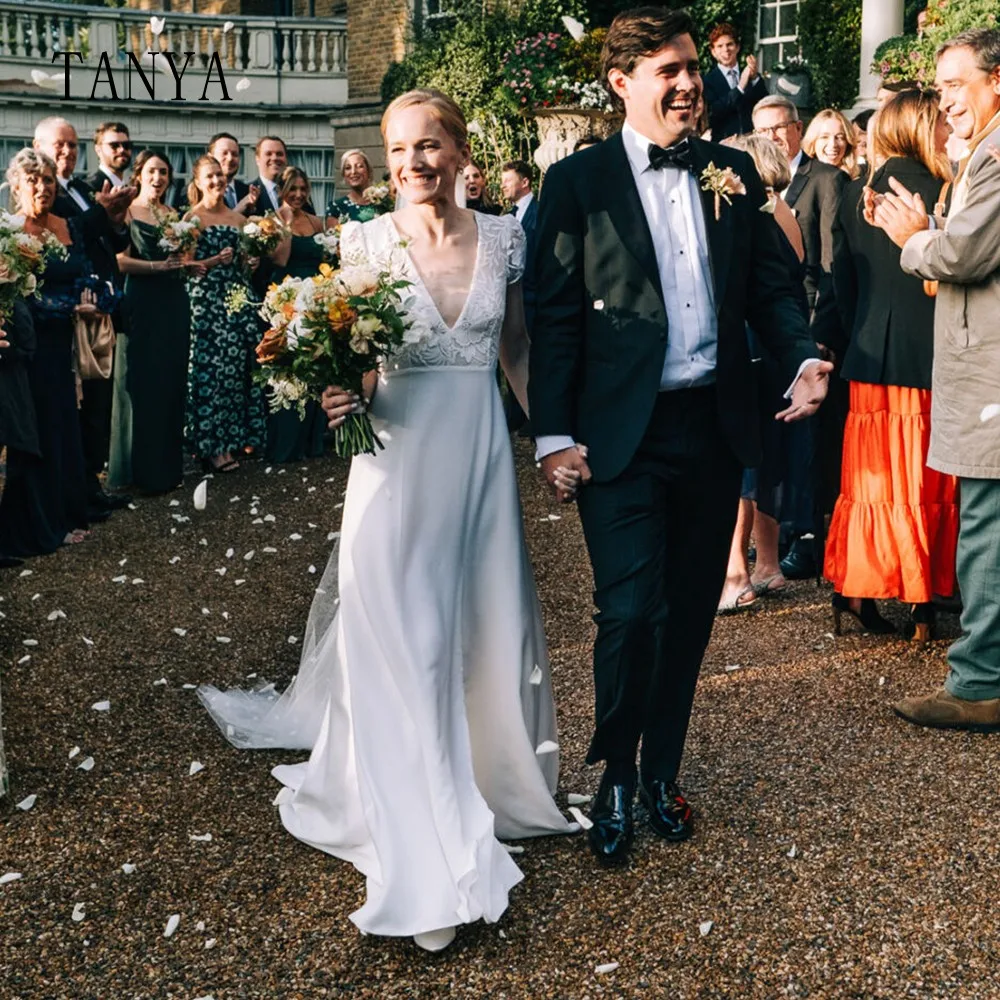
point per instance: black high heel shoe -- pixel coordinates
(868, 617)
(922, 617)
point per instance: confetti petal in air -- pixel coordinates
(172, 922)
(227, 27)
(581, 818)
(156, 24)
(574, 27)
(201, 495)
(244, 84)
(546, 746)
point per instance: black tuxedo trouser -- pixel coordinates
(658, 538)
(95, 429)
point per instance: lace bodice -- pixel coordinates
(474, 340)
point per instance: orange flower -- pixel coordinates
(325, 270)
(268, 227)
(28, 253)
(341, 315)
(271, 347)
(288, 310)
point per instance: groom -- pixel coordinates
(639, 351)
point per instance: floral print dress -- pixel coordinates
(225, 408)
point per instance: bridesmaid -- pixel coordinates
(225, 410)
(356, 170)
(290, 439)
(147, 445)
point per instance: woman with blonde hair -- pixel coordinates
(355, 206)
(830, 139)
(424, 690)
(895, 525)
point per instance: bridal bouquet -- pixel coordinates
(262, 234)
(23, 257)
(174, 234)
(330, 330)
(380, 196)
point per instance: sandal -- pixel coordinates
(738, 603)
(75, 537)
(209, 466)
(767, 587)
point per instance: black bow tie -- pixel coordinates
(678, 155)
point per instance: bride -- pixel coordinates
(424, 691)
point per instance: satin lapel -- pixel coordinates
(625, 210)
(718, 231)
(798, 181)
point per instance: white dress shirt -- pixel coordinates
(73, 193)
(272, 189)
(793, 166)
(732, 75)
(521, 206)
(116, 181)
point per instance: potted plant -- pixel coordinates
(553, 77)
(791, 79)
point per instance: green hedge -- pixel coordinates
(830, 36)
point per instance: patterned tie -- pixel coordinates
(734, 78)
(677, 155)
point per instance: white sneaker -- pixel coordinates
(435, 940)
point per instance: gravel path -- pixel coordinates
(839, 853)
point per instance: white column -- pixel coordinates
(880, 20)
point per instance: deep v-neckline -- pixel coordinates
(423, 284)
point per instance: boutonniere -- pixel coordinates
(723, 184)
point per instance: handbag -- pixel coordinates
(95, 345)
(931, 287)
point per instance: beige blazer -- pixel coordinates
(965, 258)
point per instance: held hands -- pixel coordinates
(565, 471)
(899, 213)
(338, 404)
(809, 391)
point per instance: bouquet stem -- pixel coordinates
(356, 436)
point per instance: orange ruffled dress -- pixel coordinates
(895, 525)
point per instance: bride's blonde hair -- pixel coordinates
(447, 112)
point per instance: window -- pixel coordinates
(777, 32)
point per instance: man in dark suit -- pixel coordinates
(730, 94)
(57, 138)
(639, 351)
(226, 149)
(814, 194)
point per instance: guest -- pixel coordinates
(731, 95)
(962, 256)
(886, 91)
(814, 193)
(289, 438)
(113, 147)
(271, 156)
(830, 139)
(477, 194)
(895, 526)
(225, 410)
(147, 448)
(860, 122)
(44, 504)
(18, 430)
(57, 138)
(225, 147)
(758, 508)
(356, 171)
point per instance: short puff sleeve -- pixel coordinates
(516, 249)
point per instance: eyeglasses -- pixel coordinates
(772, 131)
(126, 146)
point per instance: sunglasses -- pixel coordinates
(127, 146)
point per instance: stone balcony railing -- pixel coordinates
(264, 60)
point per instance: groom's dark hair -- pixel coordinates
(637, 33)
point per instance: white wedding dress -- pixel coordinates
(424, 689)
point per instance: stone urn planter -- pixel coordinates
(560, 129)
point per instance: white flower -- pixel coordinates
(362, 331)
(358, 279)
(251, 229)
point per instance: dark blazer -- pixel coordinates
(600, 331)
(17, 409)
(889, 319)
(815, 194)
(97, 180)
(730, 110)
(530, 226)
(264, 203)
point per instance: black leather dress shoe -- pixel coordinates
(10, 562)
(108, 501)
(96, 515)
(611, 835)
(800, 563)
(670, 815)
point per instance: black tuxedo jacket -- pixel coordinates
(530, 226)
(889, 319)
(815, 194)
(730, 110)
(600, 331)
(264, 203)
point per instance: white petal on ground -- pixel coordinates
(575, 799)
(221, 571)
(156, 24)
(257, 520)
(89, 642)
(309, 524)
(200, 926)
(555, 517)
(25, 572)
(730, 667)
(79, 912)
(536, 675)
(174, 560)
(546, 746)
(205, 611)
(180, 631)
(603, 970)
(55, 615)
(174, 503)
(249, 555)
(225, 614)
(580, 817)
(241, 581)
(25, 804)
(73, 752)
(30, 642)
(793, 853)
(190, 687)
(332, 536)
(128, 869)
(269, 548)
(312, 569)
(160, 683)
(292, 639)
(512, 848)
(989, 412)
(119, 579)
(230, 552)
(203, 541)
(269, 517)
(704, 929)
(36, 597)
(138, 579)
(172, 922)
(203, 838)
(196, 766)
(295, 536)
(210, 943)
(101, 706)
(87, 764)
(24, 659)
(223, 638)
(234, 499)
(10, 877)
(201, 495)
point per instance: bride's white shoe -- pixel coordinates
(435, 940)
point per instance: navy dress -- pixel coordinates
(46, 495)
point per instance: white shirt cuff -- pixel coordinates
(805, 364)
(550, 443)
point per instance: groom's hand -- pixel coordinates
(565, 471)
(809, 391)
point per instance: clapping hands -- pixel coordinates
(899, 213)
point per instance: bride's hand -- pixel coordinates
(338, 404)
